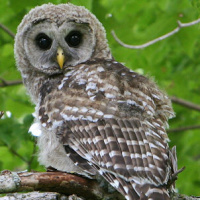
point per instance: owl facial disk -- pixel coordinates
(60, 57)
(51, 48)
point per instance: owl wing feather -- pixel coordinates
(114, 122)
(121, 156)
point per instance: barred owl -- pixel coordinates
(96, 115)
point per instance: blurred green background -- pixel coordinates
(174, 63)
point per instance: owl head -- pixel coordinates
(51, 38)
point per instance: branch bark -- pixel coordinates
(53, 184)
(39, 195)
(60, 182)
(177, 29)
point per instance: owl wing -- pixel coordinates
(115, 123)
(121, 150)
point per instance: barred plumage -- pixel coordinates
(115, 122)
(96, 115)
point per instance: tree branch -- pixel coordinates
(177, 29)
(181, 129)
(39, 195)
(61, 182)
(7, 30)
(5, 83)
(176, 196)
(185, 103)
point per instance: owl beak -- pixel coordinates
(60, 57)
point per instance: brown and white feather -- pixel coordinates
(112, 119)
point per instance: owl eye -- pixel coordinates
(74, 38)
(43, 41)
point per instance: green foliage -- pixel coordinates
(17, 147)
(174, 63)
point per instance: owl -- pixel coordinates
(97, 117)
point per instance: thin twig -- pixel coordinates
(1, 114)
(32, 156)
(14, 152)
(180, 25)
(185, 103)
(7, 30)
(17, 154)
(181, 129)
(5, 83)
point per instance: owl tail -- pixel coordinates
(143, 192)
(150, 192)
(135, 191)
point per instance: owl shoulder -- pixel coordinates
(137, 88)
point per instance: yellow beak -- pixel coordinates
(60, 57)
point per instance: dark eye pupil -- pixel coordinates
(74, 38)
(43, 41)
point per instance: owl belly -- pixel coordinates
(52, 153)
